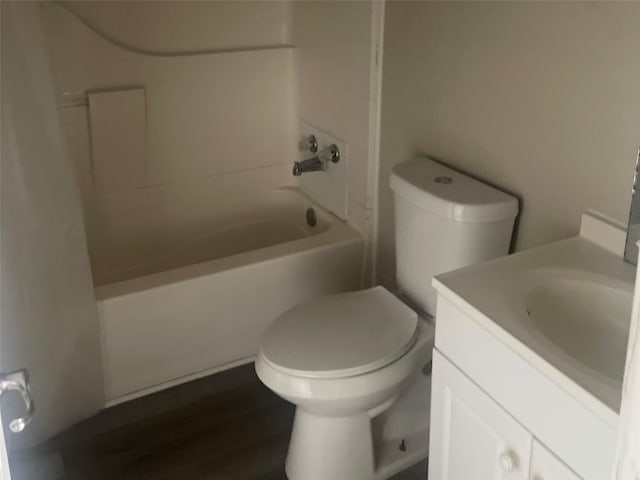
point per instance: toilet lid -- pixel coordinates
(340, 335)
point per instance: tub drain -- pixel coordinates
(311, 217)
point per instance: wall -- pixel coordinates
(48, 309)
(220, 126)
(539, 98)
(337, 83)
(190, 25)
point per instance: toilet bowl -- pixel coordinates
(344, 360)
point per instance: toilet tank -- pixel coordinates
(444, 220)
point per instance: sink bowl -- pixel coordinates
(587, 318)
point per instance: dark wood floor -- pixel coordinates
(227, 426)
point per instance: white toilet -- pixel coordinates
(356, 365)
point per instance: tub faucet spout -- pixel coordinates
(314, 164)
(318, 163)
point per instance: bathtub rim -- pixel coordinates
(339, 233)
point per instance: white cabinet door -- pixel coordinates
(546, 466)
(472, 437)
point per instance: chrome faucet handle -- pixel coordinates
(333, 152)
(308, 143)
(330, 154)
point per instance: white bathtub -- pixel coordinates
(202, 306)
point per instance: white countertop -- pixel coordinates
(492, 294)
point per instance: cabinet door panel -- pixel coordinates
(472, 437)
(546, 466)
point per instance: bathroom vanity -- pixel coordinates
(529, 360)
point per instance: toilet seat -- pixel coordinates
(340, 335)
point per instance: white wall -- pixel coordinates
(539, 98)
(48, 309)
(336, 84)
(219, 126)
(190, 25)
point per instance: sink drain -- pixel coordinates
(312, 220)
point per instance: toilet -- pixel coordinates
(357, 365)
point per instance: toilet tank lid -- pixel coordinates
(449, 193)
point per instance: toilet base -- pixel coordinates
(341, 448)
(357, 447)
(392, 460)
(337, 448)
(401, 433)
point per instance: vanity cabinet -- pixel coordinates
(546, 466)
(514, 398)
(493, 409)
(472, 437)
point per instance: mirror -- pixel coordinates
(633, 229)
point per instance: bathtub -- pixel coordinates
(202, 305)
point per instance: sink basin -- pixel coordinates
(586, 318)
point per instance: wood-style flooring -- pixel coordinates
(224, 427)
